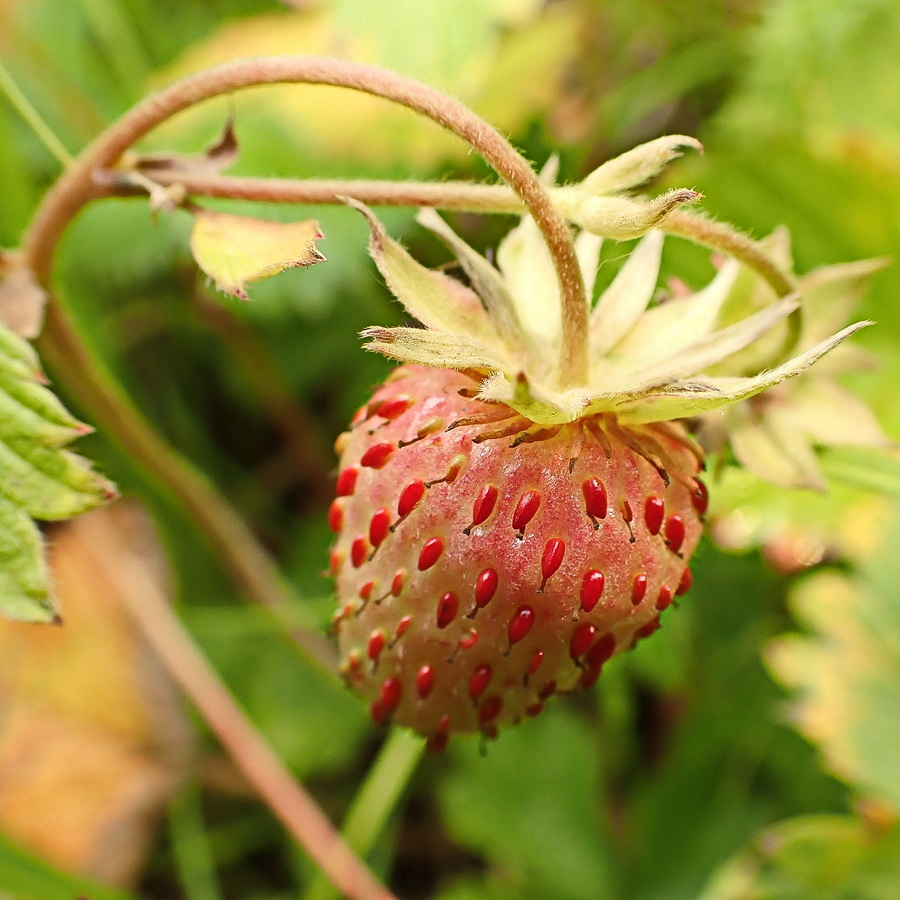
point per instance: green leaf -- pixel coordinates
(24, 877)
(37, 479)
(529, 805)
(813, 858)
(233, 250)
(843, 672)
(24, 594)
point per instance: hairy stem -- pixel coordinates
(725, 238)
(131, 580)
(78, 185)
(459, 195)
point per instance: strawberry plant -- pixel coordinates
(570, 407)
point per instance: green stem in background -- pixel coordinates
(375, 801)
(244, 559)
(34, 119)
(190, 846)
(464, 196)
(310, 455)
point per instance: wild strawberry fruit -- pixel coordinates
(503, 527)
(483, 572)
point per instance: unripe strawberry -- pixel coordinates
(501, 532)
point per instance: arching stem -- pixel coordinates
(77, 186)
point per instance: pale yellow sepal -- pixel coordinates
(677, 323)
(620, 218)
(432, 348)
(634, 167)
(690, 399)
(235, 250)
(777, 452)
(624, 301)
(487, 282)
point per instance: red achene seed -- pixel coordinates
(525, 509)
(424, 681)
(379, 526)
(700, 497)
(687, 579)
(485, 587)
(490, 709)
(376, 644)
(595, 500)
(358, 551)
(591, 589)
(552, 559)
(582, 638)
(602, 650)
(479, 681)
(675, 532)
(335, 516)
(346, 481)
(447, 609)
(391, 691)
(484, 504)
(430, 554)
(664, 598)
(395, 407)
(520, 624)
(654, 512)
(377, 456)
(410, 497)
(638, 589)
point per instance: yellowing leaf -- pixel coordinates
(234, 250)
(843, 671)
(813, 858)
(93, 739)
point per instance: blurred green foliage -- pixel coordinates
(683, 756)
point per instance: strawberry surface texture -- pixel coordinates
(487, 565)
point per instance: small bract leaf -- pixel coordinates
(434, 299)
(431, 348)
(216, 158)
(234, 250)
(486, 280)
(634, 167)
(22, 299)
(622, 218)
(686, 400)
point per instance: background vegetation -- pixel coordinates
(751, 749)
